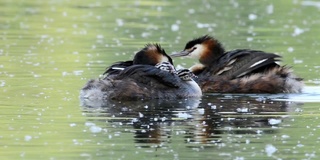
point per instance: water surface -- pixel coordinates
(49, 49)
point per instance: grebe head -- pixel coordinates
(151, 54)
(205, 49)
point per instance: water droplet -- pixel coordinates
(174, 27)
(252, 16)
(119, 22)
(27, 138)
(270, 9)
(95, 129)
(297, 31)
(191, 11)
(72, 124)
(290, 49)
(249, 39)
(273, 121)
(270, 149)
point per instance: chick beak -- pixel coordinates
(181, 54)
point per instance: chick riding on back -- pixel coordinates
(150, 75)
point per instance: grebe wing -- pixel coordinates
(117, 67)
(241, 62)
(148, 74)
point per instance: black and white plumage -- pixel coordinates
(238, 71)
(166, 66)
(184, 74)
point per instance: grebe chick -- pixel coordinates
(142, 81)
(166, 66)
(184, 74)
(238, 71)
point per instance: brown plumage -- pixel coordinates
(141, 79)
(238, 71)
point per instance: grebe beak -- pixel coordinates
(181, 54)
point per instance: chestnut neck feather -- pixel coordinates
(213, 50)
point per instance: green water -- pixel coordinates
(49, 49)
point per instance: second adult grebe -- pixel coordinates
(238, 71)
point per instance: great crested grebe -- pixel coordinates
(150, 75)
(238, 71)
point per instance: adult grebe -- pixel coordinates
(150, 75)
(238, 71)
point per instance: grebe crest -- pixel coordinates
(151, 54)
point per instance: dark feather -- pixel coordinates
(141, 57)
(245, 63)
(112, 71)
(147, 74)
(198, 40)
